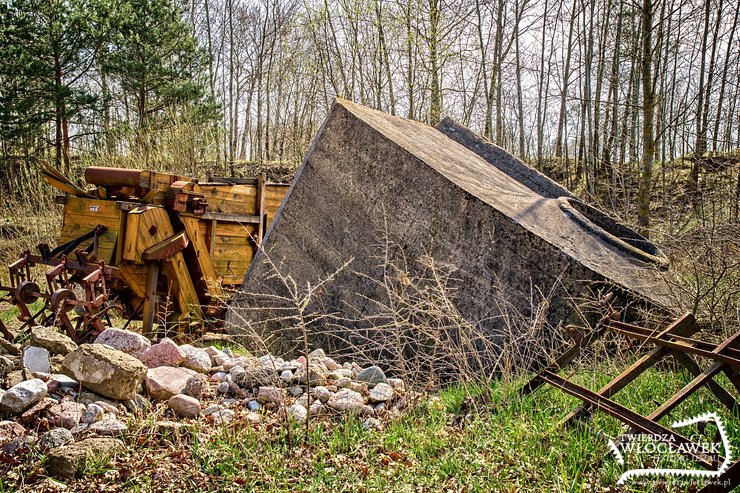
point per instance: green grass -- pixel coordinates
(508, 443)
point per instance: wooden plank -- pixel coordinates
(130, 237)
(119, 240)
(234, 280)
(187, 296)
(192, 227)
(231, 199)
(135, 276)
(167, 248)
(222, 240)
(212, 236)
(153, 226)
(150, 300)
(91, 207)
(233, 229)
(232, 270)
(261, 213)
(233, 253)
(233, 218)
(228, 180)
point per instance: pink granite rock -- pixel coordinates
(164, 353)
(66, 414)
(164, 382)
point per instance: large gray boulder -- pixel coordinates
(104, 370)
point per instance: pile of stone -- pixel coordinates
(70, 401)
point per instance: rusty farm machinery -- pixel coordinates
(151, 246)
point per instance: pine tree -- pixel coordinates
(156, 60)
(48, 47)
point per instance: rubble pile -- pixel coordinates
(71, 402)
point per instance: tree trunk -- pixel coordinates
(564, 90)
(648, 104)
(723, 84)
(700, 146)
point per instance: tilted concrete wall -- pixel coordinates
(368, 175)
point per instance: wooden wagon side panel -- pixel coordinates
(82, 215)
(233, 250)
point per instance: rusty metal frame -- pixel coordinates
(676, 341)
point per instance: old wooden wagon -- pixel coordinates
(155, 246)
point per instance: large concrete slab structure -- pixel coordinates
(445, 193)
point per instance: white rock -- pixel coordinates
(36, 359)
(321, 393)
(223, 387)
(221, 417)
(339, 373)
(24, 395)
(346, 400)
(297, 413)
(254, 405)
(371, 424)
(109, 426)
(397, 384)
(212, 409)
(286, 376)
(342, 383)
(380, 393)
(105, 370)
(129, 342)
(317, 355)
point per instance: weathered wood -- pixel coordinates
(150, 297)
(260, 209)
(192, 226)
(233, 218)
(167, 248)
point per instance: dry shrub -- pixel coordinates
(707, 263)
(414, 329)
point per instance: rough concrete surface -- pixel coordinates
(369, 175)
